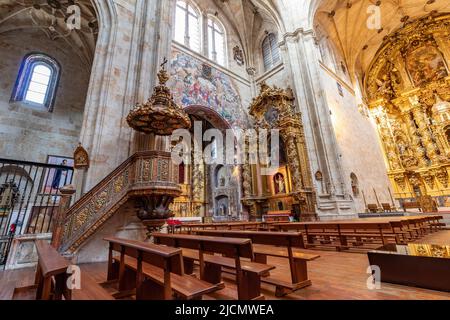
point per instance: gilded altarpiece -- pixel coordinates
(291, 185)
(408, 89)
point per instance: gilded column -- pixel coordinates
(415, 140)
(427, 140)
(389, 143)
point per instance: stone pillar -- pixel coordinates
(134, 36)
(301, 59)
(66, 194)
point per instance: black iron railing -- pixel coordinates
(28, 198)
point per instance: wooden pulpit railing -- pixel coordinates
(135, 177)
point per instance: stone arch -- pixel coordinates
(208, 114)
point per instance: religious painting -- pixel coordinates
(280, 184)
(425, 64)
(192, 83)
(54, 179)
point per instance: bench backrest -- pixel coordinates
(288, 226)
(285, 239)
(169, 259)
(50, 261)
(230, 247)
(366, 226)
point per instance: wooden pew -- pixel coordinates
(153, 272)
(7, 290)
(51, 274)
(386, 207)
(411, 205)
(435, 223)
(248, 273)
(373, 208)
(343, 235)
(367, 233)
(284, 242)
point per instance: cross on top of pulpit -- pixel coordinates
(163, 65)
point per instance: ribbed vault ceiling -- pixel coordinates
(49, 18)
(344, 23)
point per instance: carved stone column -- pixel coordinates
(66, 193)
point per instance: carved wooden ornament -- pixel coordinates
(81, 158)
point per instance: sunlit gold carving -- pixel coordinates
(274, 108)
(408, 92)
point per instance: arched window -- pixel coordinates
(38, 86)
(271, 52)
(187, 25)
(37, 81)
(216, 41)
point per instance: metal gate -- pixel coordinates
(29, 198)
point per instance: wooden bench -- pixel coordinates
(343, 235)
(7, 290)
(411, 205)
(248, 273)
(373, 208)
(281, 245)
(367, 233)
(435, 223)
(152, 272)
(51, 274)
(386, 207)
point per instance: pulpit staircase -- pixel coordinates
(139, 176)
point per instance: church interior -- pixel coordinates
(224, 150)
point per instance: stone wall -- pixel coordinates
(358, 145)
(31, 133)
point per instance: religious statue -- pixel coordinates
(238, 55)
(384, 86)
(279, 184)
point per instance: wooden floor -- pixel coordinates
(336, 275)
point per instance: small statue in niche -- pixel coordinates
(238, 55)
(384, 86)
(280, 186)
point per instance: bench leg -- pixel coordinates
(249, 287)
(46, 288)
(212, 273)
(262, 258)
(113, 271)
(149, 290)
(188, 265)
(127, 280)
(60, 284)
(38, 283)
